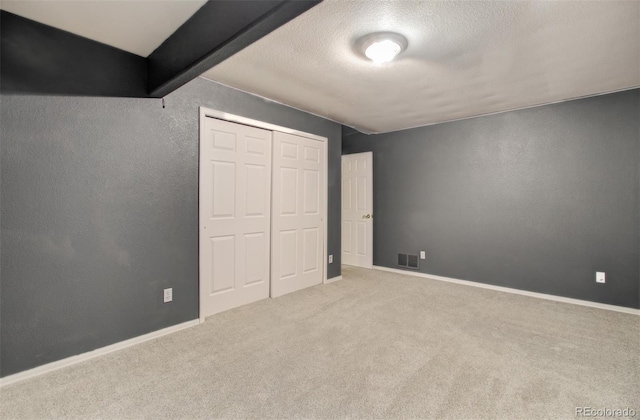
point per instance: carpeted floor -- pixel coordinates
(374, 345)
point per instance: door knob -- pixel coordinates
(367, 216)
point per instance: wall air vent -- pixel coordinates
(408, 261)
(412, 261)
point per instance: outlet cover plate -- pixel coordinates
(168, 295)
(600, 277)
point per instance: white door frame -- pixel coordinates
(221, 115)
(369, 190)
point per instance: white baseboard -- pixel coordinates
(515, 291)
(50, 367)
(332, 279)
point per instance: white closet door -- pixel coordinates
(357, 209)
(298, 205)
(235, 219)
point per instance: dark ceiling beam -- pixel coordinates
(214, 33)
(40, 59)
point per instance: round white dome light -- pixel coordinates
(382, 47)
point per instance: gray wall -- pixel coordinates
(99, 213)
(536, 199)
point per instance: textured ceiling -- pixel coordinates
(464, 59)
(137, 26)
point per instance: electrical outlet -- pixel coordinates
(331, 259)
(168, 295)
(423, 255)
(600, 277)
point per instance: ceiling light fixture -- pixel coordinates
(382, 47)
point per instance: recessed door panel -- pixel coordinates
(346, 194)
(223, 189)
(223, 262)
(257, 146)
(224, 141)
(289, 192)
(289, 151)
(361, 193)
(288, 253)
(255, 248)
(310, 249)
(346, 237)
(311, 192)
(361, 238)
(312, 154)
(256, 192)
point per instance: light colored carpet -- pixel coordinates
(374, 345)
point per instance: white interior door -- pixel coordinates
(298, 206)
(357, 209)
(235, 219)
